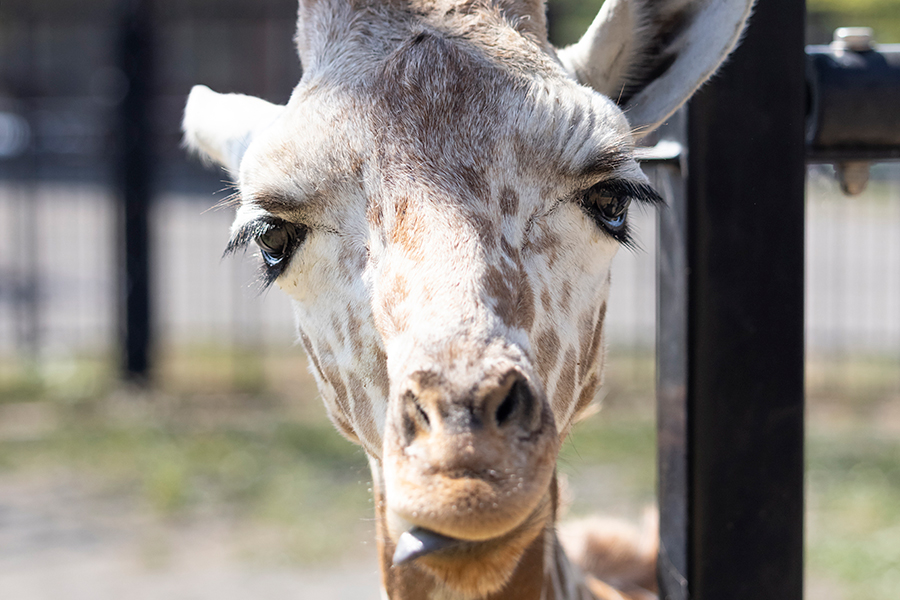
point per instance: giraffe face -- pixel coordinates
(445, 231)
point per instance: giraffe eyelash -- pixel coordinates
(277, 239)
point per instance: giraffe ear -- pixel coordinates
(650, 56)
(220, 127)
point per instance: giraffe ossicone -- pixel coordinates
(441, 198)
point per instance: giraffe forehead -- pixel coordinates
(443, 106)
(446, 108)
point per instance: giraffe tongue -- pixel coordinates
(418, 542)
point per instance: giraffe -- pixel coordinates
(441, 198)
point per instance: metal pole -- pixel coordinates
(134, 171)
(731, 395)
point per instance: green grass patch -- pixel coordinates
(299, 478)
(853, 512)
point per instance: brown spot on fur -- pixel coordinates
(487, 230)
(374, 215)
(546, 300)
(498, 288)
(565, 387)
(509, 202)
(565, 299)
(546, 350)
(475, 180)
(362, 410)
(379, 372)
(525, 305)
(588, 392)
(393, 302)
(585, 337)
(424, 380)
(546, 243)
(511, 290)
(354, 329)
(333, 378)
(407, 229)
(597, 338)
(508, 249)
(338, 328)
(398, 317)
(313, 359)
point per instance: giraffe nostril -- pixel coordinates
(423, 416)
(414, 419)
(512, 401)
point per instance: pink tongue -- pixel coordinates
(418, 542)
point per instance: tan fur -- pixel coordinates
(616, 552)
(449, 275)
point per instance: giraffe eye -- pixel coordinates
(611, 210)
(276, 243)
(608, 208)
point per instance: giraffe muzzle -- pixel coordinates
(466, 463)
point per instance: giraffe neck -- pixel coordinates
(544, 572)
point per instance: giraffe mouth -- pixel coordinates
(418, 542)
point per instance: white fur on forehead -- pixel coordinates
(220, 127)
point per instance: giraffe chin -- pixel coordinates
(473, 568)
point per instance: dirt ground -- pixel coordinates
(65, 539)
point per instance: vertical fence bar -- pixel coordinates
(135, 176)
(671, 373)
(732, 389)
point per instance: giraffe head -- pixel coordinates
(442, 198)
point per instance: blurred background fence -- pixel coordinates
(62, 90)
(62, 87)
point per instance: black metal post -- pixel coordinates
(853, 103)
(671, 373)
(731, 393)
(135, 174)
